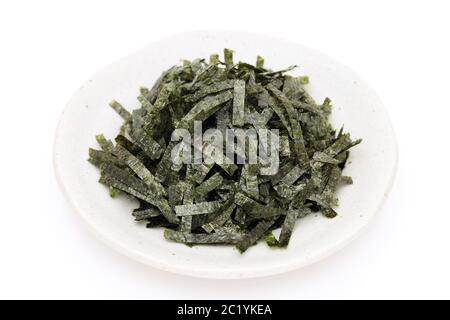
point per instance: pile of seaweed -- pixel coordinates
(225, 202)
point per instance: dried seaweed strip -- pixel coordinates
(239, 103)
(162, 204)
(175, 195)
(197, 208)
(324, 158)
(264, 190)
(149, 145)
(289, 192)
(259, 62)
(159, 222)
(203, 77)
(152, 116)
(293, 175)
(300, 197)
(278, 72)
(229, 227)
(275, 105)
(188, 198)
(139, 168)
(291, 87)
(271, 240)
(287, 228)
(223, 119)
(296, 130)
(186, 224)
(256, 119)
(146, 105)
(220, 219)
(156, 88)
(251, 116)
(204, 108)
(240, 216)
(209, 185)
(204, 238)
(254, 235)
(162, 99)
(255, 209)
(98, 157)
(137, 119)
(263, 98)
(344, 142)
(327, 199)
(285, 149)
(121, 111)
(127, 144)
(329, 212)
(242, 200)
(122, 180)
(113, 192)
(346, 180)
(265, 212)
(187, 189)
(289, 224)
(228, 57)
(164, 166)
(251, 181)
(211, 89)
(140, 215)
(305, 107)
(144, 91)
(104, 143)
(214, 59)
(266, 115)
(284, 169)
(198, 172)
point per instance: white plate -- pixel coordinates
(372, 164)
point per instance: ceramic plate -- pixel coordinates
(372, 164)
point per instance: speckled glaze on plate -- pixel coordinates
(372, 164)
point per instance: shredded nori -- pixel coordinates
(228, 203)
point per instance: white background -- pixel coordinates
(49, 48)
